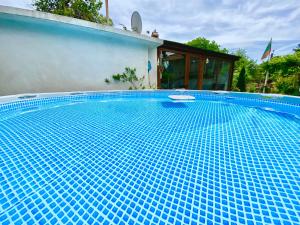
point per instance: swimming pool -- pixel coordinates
(141, 158)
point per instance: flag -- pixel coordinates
(267, 51)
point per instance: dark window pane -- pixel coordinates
(194, 73)
(173, 70)
(209, 76)
(223, 77)
(216, 74)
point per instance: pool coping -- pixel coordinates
(30, 96)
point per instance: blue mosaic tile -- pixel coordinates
(139, 158)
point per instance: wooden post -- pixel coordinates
(158, 69)
(230, 77)
(106, 9)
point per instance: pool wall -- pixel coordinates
(283, 105)
(41, 52)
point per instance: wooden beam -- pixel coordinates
(158, 69)
(230, 77)
(189, 49)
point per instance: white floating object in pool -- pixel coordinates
(181, 97)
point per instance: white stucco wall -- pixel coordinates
(38, 55)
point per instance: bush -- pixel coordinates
(287, 85)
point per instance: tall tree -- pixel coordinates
(241, 83)
(251, 69)
(81, 9)
(204, 43)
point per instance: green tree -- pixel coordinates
(81, 9)
(253, 78)
(284, 73)
(203, 43)
(241, 83)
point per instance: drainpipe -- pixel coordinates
(106, 9)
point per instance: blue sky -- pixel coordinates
(232, 23)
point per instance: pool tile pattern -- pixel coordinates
(103, 160)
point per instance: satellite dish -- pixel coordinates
(136, 22)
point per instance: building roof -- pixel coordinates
(186, 48)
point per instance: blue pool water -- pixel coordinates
(140, 158)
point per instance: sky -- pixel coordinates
(234, 24)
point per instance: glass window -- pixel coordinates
(222, 82)
(194, 73)
(209, 76)
(216, 74)
(173, 70)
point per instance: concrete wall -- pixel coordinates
(38, 55)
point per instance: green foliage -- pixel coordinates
(297, 49)
(245, 62)
(283, 65)
(129, 76)
(167, 75)
(241, 83)
(284, 73)
(81, 9)
(252, 70)
(286, 85)
(203, 43)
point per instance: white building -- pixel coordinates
(42, 52)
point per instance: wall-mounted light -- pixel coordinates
(207, 61)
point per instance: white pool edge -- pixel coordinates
(18, 97)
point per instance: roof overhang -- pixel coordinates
(189, 49)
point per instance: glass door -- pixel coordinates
(216, 74)
(195, 78)
(172, 70)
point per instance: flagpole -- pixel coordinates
(106, 10)
(267, 72)
(267, 76)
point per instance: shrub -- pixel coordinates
(129, 76)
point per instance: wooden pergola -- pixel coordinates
(196, 53)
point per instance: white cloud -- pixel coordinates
(26, 4)
(229, 22)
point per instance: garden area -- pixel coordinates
(249, 75)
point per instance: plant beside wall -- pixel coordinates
(128, 76)
(80, 9)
